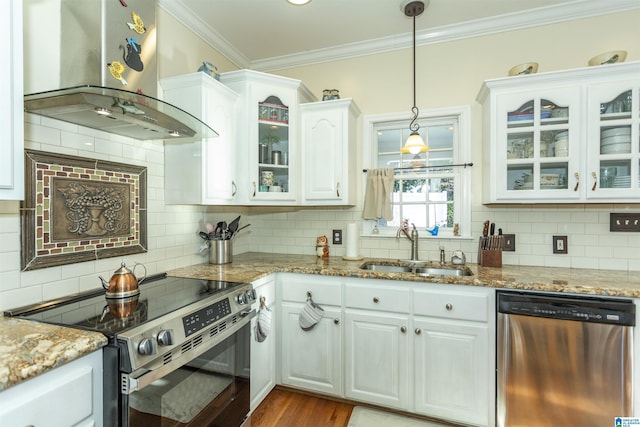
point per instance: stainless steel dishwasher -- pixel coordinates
(563, 360)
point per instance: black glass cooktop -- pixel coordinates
(159, 295)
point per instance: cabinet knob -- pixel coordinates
(418, 331)
(376, 300)
(403, 329)
(449, 307)
(336, 321)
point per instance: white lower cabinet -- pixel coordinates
(263, 354)
(70, 395)
(418, 347)
(311, 360)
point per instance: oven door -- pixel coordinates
(211, 389)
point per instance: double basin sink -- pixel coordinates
(424, 269)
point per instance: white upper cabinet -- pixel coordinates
(202, 171)
(562, 137)
(268, 139)
(11, 101)
(329, 132)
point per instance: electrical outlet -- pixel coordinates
(337, 237)
(509, 242)
(624, 222)
(560, 245)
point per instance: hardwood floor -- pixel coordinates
(286, 408)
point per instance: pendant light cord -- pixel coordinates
(414, 126)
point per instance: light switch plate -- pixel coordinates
(509, 242)
(624, 222)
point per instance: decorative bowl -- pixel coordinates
(523, 69)
(609, 58)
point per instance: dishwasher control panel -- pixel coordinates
(584, 309)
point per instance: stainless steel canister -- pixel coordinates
(263, 154)
(276, 157)
(220, 252)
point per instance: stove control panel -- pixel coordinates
(205, 316)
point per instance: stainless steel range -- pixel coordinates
(178, 353)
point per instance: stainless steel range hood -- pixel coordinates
(93, 63)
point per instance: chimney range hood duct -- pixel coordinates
(96, 67)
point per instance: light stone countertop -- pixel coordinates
(29, 348)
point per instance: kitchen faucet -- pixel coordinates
(404, 226)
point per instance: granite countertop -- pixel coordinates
(29, 348)
(251, 266)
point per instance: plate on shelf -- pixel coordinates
(621, 182)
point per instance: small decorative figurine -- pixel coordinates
(322, 247)
(456, 229)
(209, 69)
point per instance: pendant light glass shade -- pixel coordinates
(414, 143)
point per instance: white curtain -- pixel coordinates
(377, 197)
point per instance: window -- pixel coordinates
(428, 190)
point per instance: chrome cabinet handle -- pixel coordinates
(376, 300)
(449, 307)
(403, 329)
(418, 331)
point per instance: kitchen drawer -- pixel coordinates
(324, 290)
(462, 305)
(377, 297)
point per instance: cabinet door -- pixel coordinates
(377, 358)
(263, 354)
(328, 147)
(202, 171)
(312, 359)
(537, 145)
(452, 370)
(613, 140)
(11, 109)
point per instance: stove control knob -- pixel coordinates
(251, 294)
(146, 347)
(165, 337)
(242, 298)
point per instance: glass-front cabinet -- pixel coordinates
(614, 150)
(268, 144)
(536, 147)
(562, 137)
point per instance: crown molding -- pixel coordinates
(578, 9)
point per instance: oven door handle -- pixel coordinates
(136, 381)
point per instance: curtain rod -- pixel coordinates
(429, 167)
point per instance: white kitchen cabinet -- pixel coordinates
(263, 354)
(202, 172)
(70, 395)
(268, 137)
(11, 105)
(546, 139)
(329, 132)
(311, 360)
(377, 343)
(453, 354)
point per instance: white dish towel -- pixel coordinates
(263, 323)
(310, 315)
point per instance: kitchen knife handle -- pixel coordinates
(492, 230)
(485, 229)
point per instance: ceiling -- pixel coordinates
(271, 34)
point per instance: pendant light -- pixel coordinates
(414, 144)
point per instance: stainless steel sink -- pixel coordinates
(387, 268)
(419, 269)
(442, 271)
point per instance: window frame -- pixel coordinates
(462, 154)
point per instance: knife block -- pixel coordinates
(489, 257)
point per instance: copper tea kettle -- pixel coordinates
(123, 283)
